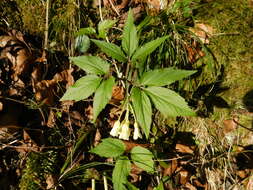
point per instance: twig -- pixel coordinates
(46, 27)
(105, 183)
(113, 7)
(100, 10)
(242, 125)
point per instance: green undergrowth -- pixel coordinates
(38, 167)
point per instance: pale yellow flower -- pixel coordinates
(116, 129)
(137, 133)
(125, 131)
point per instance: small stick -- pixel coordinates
(242, 125)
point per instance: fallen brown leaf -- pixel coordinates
(203, 32)
(89, 112)
(229, 126)
(129, 145)
(97, 138)
(135, 171)
(1, 106)
(117, 94)
(46, 90)
(242, 173)
(15, 49)
(184, 177)
(171, 169)
(249, 185)
(190, 186)
(51, 119)
(184, 149)
(51, 181)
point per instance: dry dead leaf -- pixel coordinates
(242, 174)
(229, 126)
(171, 169)
(194, 51)
(184, 149)
(117, 94)
(203, 32)
(129, 145)
(1, 106)
(190, 186)
(184, 177)
(51, 181)
(89, 112)
(51, 119)
(249, 185)
(46, 90)
(135, 172)
(197, 183)
(15, 49)
(97, 138)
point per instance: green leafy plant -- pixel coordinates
(143, 87)
(115, 148)
(82, 40)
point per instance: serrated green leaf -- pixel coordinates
(143, 158)
(109, 147)
(161, 77)
(168, 102)
(91, 64)
(104, 26)
(130, 38)
(120, 172)
(82, 43)
(102, 96)
(82, 89)
(142, 109)
(85, 31)
(111, 50)
(143, 51)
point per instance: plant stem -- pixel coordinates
(105, 183)
(46, 27)
(93, 184)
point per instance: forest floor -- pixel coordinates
(45, 143)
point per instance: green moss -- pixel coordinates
(38, 165)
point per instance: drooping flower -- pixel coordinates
(137, 133)
(125, 130)
(116, 129)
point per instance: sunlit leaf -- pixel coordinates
(104, 26)
(102, 96)
(109, 147)
(142, 109)
(143, 51)
(85, 31)
(168, 102)
(82, 89)
(130, 38)
(120, 172)
(161, 77)
(91, 64)
(111, 50)
(143, 158)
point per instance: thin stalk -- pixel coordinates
(93, 184)
(105, 183)
(46, 27)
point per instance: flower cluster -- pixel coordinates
(123, 131)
